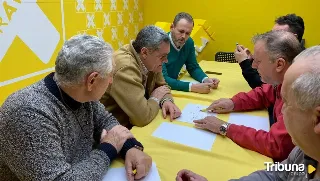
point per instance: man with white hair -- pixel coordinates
(56, 129)
(301, 111)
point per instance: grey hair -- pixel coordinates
(280, 44)
(80, 56)
(183, 15)
(306, 88)
(150, 37)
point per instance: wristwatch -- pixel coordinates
(224, 128)
(138, 146)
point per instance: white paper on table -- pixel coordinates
(119, 174)
(256, 122)
(192, 137)
(193, 112)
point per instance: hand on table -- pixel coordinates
(187, 175)
(139, 161)
(210, 123)
(214, 82)
(172, 109)
(221, 106)
(202, 88)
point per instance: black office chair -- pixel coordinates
(225, 57)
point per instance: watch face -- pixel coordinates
(223, 129)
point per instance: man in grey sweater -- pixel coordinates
(56, 129)
(301, 111)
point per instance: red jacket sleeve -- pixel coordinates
(258, 98)
(276, 143)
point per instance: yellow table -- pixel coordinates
(226, 159)
(231, 81)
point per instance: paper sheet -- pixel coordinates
(119, 174)
(192, 137)
(256, 122)
(193, 112)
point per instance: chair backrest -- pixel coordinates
(225, 57)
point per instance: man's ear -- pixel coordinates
(171, 26)
(317, 124)
(280, 63)
(296, 35)
(144, 52)
(91, 80)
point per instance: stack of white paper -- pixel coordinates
(192, 137)
(119, 174)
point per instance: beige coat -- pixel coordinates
(126, 98)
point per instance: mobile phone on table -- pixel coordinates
(210, 72)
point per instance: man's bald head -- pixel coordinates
(301, 96)
(305, 78)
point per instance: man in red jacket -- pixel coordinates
(274, 52)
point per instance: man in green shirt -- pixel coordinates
(182, 52)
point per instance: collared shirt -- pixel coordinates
(143, 68)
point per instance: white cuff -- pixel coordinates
(190, 84)
(204, 79)
(155, 99)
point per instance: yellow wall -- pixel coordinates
(237, 21)
(31, 34)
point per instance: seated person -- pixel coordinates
(56, 129)
(291, 23)
(301, 113)
(274, 52)
(139, 90)
(182, 52)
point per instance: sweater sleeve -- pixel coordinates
(33, 150)
(250, 74)
(174, 83)
(104, 120)
(261, 175)
(265, 175)
(192, 65)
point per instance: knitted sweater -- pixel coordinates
(46, 137)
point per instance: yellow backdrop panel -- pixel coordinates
(33, 31)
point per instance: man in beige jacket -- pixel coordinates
(139, 89)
